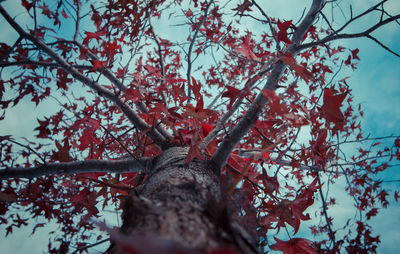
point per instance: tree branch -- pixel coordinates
(114, 80)
(250, 117)
(221, 123)
(325, 212)
(41, 63)
(269, 23)
(366, 33)
(373, 8)
(136, 120)
(189, 54)
(113, 166)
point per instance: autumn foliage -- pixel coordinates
(269, 107)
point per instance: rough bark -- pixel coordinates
(180, 207)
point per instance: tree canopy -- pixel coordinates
(264, 99)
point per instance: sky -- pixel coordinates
(375, 84)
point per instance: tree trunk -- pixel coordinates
(180, 207)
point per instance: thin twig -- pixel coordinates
(189, 53)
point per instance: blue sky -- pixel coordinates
(375, 84)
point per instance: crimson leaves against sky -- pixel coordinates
(261, 97)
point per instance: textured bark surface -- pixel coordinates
(179, 207)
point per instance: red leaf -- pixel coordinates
(282, 33)
(206, 129)
(44, 132)
(63, 79)
(91, 209)
(189, 13)
(269, 94)
(373, 212)
(348, 61)
(90, 35)
(231, 93)
(64, 14)
(396, 196)
(299, 69)
(246, 50)
(98, 64)
(174, 114)
(62, 153)
(274, 103)
(96, 17)
(9, 230)
(27, 5)
(245, 6)
(199, 105)
(46, 11)
(331, 107)
(354, 54)
(194, 150)
(9, 197)
(19, 222)
(377, 143)
(195, 87)
(39, 225)
(293, 246)
(87, 139)
(397, 142)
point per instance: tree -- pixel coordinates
(207, 144)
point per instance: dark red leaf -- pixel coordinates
(64, 14)
(294, 246)
(195, 86)
(206, 129)
(331, 108)
(98, 64)
(397, 142)
(232, 93)
(246, 50)
(44, 131)
(96, 17)
(46, 11)
(189, 13)
(282, 33)
(9, 230)
(373, 212)
(299, 69)
(9, 197)
(62, 153)
(27, 5)
(90, 35)
(245, 6)
(354, 54)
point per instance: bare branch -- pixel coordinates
(250, 117)
(325, 212)
(27, 147)
(79, 250)
(189, 53)
(76, 167)
(366, 33)
(269, 23)
(41, 63)
(78, 19)
(373, 8)
(382, 45)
